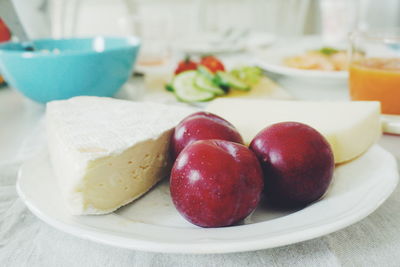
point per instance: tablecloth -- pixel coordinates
(27, 241)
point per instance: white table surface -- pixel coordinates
(26, 241)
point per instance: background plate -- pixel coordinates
(272, 60)
(152, 223)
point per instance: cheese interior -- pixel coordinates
(349, 127)
(107, 152)
(116, 180)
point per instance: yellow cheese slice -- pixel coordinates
(349, 127)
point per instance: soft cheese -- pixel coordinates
(350, 127)
(107, 152)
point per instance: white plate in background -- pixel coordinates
(272, 60)
(152, 223)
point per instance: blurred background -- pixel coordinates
(171, 29)
(73, 18)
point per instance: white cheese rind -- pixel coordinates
(84, 133)
(350, 127)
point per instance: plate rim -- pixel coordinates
(349, 217)
(300, 73)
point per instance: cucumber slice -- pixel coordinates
(169, 87)
(221, 84)
(187, 91)
(206, 72)
(227, 79)
(205, 84)
(219, 88)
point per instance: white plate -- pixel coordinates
(153, 224)
(272, 60)
(391, 124)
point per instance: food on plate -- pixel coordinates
(376, 79)
(349, 127)
(201, 81)
(297, 163)
(186, 90)
(186, 64)
(210, 80)
(202, 126)
(227, 80)
(247, 74)
(212, 63)
(325, 59)
(206, 73)
(107, 152)
(216, 183)
(264, 89)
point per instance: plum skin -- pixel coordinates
(297, 162)
(216, 183)
(202, 126)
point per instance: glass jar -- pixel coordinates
(374, 70)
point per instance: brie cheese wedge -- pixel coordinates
(107, 152)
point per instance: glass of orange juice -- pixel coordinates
(374, 71)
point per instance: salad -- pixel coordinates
(207, 79)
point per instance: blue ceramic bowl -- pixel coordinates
(60, 69)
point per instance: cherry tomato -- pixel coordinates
(212, 63)
(185, 65)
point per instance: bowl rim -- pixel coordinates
(132, 42)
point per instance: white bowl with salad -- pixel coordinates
(308, 59)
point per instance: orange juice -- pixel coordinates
(377, 79)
